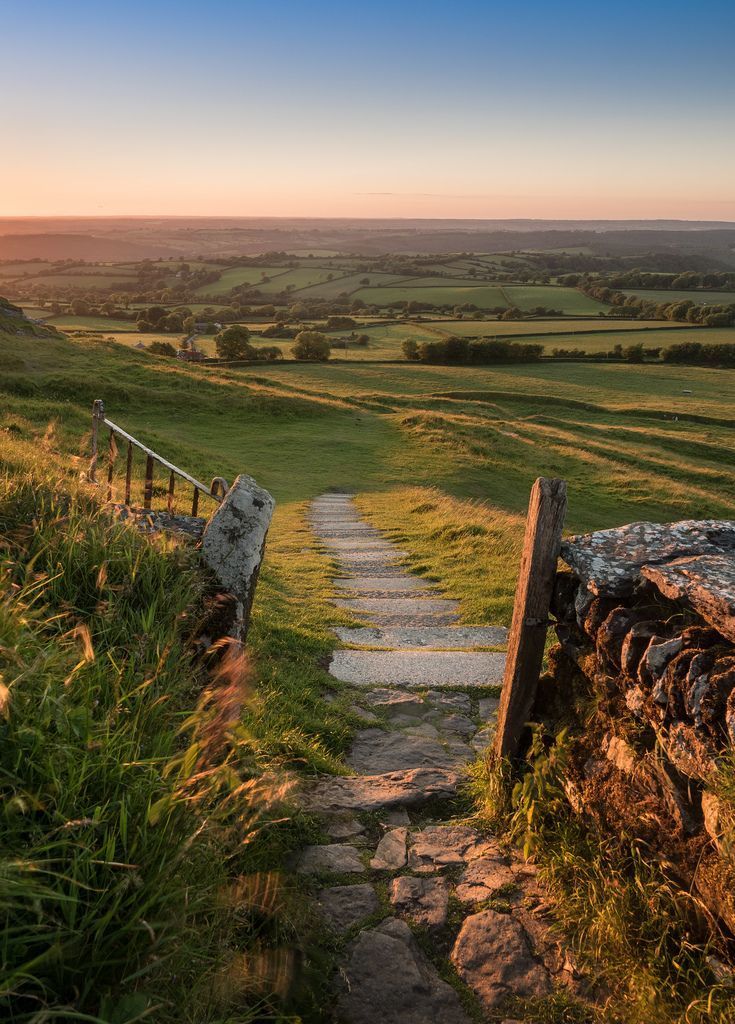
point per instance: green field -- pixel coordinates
(671, 295)
(233, 277)
(23, 268)
(485, 297)
(568, 300)
(50, 283)
(491, 326)
(67, 321)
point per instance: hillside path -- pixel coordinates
(416, 894)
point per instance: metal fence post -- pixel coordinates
(98, 415)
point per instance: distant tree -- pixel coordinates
(154, 314)
(189, 324)
(234, 343)
(162, 348)
(311, 345)
(144, 327)
(173, 322)
(79, 307)
(410, 349)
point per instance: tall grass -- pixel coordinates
(124, 780)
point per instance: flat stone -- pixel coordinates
(459, 702)
(423, 729)
(333, 858)
(411, 619)
(423, 900)
(705, 582)
(409, 788)
(361, 542)
(376, 752)
(409, 606)
(388, 980)
(397, 817)
(345, 828)
(493, 956)
(483, 877)
(418, 668)
(610, 561)
(488, 707)
(390, 854)
(420, 637)
(438, 846)
(393, 702)
(345, 905)
(483, 738)
(386, 584)
(363, 714)
(459, 724)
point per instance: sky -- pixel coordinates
(391, 108)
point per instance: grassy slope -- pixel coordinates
(416, 455)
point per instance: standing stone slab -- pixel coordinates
(234, 542)
(388, 980)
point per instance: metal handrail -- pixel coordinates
(216, 490)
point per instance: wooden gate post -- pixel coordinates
(546, 509)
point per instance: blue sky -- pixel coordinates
(381, 109)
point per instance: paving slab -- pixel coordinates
(334, 858)
(390, 854)
(398, 584)
(493, 956)
(438, 637)
(359, 545)
(424, 901)
(399, 605)
(344, 905)
(413, 787)
(418, 668)
(388, 980)
(407, 619)
(376, 751)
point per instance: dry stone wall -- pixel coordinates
(646, 629)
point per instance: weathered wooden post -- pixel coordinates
(546, 510)
(98, 415)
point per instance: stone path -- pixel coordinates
(415, 894)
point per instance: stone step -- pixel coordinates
(377, 586)
(398, 584)
(421, 637)
(399, 605)
(413, 787)
(377, 751)
(418, 669)
(360, 545)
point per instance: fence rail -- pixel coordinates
(216, 490)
